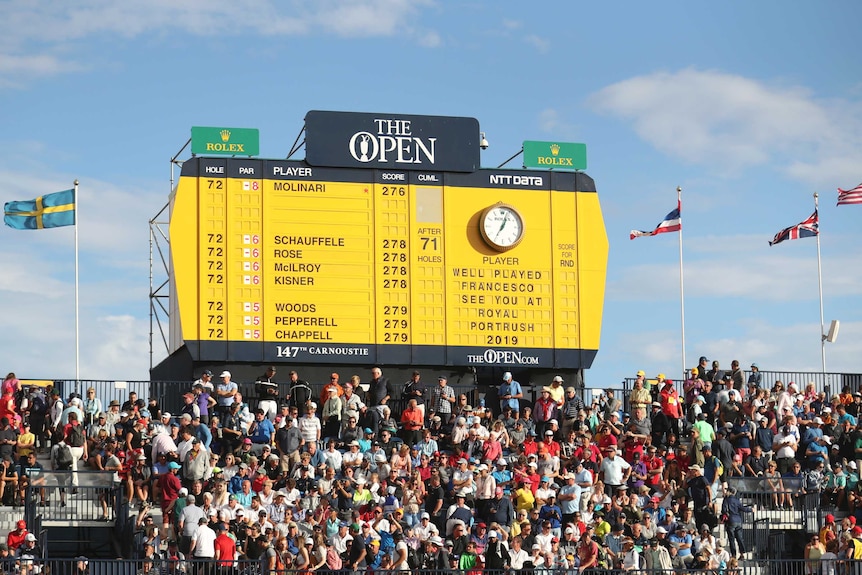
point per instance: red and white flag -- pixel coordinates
(853, 196)
(671, 223)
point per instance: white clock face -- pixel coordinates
(502, 226)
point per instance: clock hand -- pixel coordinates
(502, 226)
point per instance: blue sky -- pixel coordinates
(749, 106)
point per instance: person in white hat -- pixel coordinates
(558, 393)
(544, 411)
(224, 392)
(510, 393)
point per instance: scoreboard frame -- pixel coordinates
(336, 249)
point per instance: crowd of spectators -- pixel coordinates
(336, 480)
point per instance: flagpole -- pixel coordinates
(820, 286)
(681, 284)
(77, 341)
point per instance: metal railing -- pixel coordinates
(169, 393)
(174, 566)
(783, 501)
(830, 383)
(71, 497)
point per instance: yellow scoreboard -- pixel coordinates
(281, 261)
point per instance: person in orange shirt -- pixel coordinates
(333, 384)
(412, 420)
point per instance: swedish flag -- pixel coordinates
(48, 211)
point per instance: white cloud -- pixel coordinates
(720, 119)
(785, 272)
(430, 39)
(38, 39)
(37, 284)
(552, 122)
(542, 45)
(793, 348)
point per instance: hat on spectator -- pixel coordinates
(29, 537)
(225, 373)
(829, 518)
(656, 404)
(557, 379)
(536, 546)
(661, 529)
(425, 515)
(641, 373)
(697, 467)
(174, 465)
(856, 531)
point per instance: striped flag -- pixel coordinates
(48, 211)
(671, 223)
(806, 229)
(853, 196)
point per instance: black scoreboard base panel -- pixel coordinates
(480, 382)
(331, 353)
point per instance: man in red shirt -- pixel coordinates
(225, 547)
(552, 446)
(16, 537)
(588, 552)
(670, 403)
(169, 486)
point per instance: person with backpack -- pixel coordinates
(36, 416)
(76, 438)
(61, 462)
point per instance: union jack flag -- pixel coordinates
(806, 229)
(853, 196)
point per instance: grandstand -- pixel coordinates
(779, 512)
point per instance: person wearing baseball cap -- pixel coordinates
(558, 393)
(225, 390)
(510, 393)
(755, 378)
(16, 537)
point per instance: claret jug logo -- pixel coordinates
(393, 141)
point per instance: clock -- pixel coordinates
(501, 226)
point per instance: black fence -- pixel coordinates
(783, 501)
(72, 496)
(829, 383)
(164, 565)
(169, 393)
